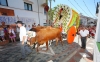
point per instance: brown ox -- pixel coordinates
(36, 29)
(31, 40)
(46, 34)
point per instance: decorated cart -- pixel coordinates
(68, 18)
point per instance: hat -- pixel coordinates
(20, 22)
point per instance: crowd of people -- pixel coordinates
(9, 32)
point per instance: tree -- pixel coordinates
(51, 13)
(50, 10)
(50, 3)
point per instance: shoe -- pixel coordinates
(29, 53)
(81, 47)
(21, 59)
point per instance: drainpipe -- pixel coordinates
(47, 15)
(38, 11)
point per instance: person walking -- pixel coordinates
(23, 39)
(83, 34)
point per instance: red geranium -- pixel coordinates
(46, 8)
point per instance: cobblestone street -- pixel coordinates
(11, 53)
(66, 53)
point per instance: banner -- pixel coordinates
(11, 20)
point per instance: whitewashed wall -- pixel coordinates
(18, 7)
(87, 20)
(12, 19)
(97, 39)
(84, 21)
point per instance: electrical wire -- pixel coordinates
(80, 7)
(74, 5)
(94, 4)
(88, 8)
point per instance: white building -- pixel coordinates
(97, 37)
(87, 21)
(24, 8)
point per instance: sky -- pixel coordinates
(86, 7)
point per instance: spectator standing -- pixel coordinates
(38, 25)
(34, 25)
(28, 28)
(6, 36)
(83, 34)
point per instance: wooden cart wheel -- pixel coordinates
(71, 34)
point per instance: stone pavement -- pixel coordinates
(84, 55)
(66, 53)
(11, 53)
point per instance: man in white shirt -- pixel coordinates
(83, 34)
(23, 39)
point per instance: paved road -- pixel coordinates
(11, 53)
(84, 55)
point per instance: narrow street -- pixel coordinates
(65, 53)
(84, 55)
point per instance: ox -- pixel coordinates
(36, 29)
(46, 34)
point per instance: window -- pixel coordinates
(4, 2)
(27, 6)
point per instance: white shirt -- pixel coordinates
(84, 33)
(87, 31)
(22, 33)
